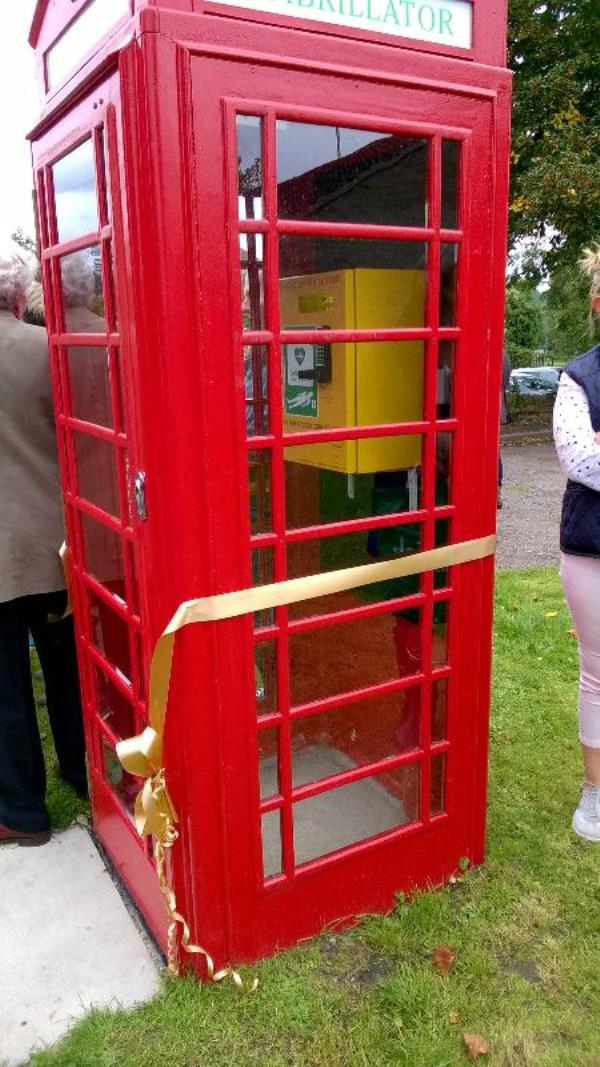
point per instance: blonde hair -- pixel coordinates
(590, 265)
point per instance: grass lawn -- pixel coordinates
(525, 928)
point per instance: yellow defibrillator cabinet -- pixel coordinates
(354, 383)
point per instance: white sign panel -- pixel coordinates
(446, 22)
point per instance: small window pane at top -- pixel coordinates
(75, 193)
(249, 161)
(450, 178)
(81, 35)
(334, 174)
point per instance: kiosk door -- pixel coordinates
(355, 335)
(78, 186)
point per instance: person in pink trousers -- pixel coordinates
(577, 438)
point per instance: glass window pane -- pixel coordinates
(439, 656)
(75, 197)
(249, 158)
(103, 555)
(331, 173)
(352, 550)
(81, 35)
(352, 655)
(110, 634)
(355, 735)
(352, 384)
(96, 472)
(448, 284)
(256, 378)
(268, 757)
(445, 393)
(112, 707)
(259, 476)
(252, 280)
(265, 675)
(439, 709)
(350, 283)
(450, 178)
(356, 812)
(322, 485)
(443, 469)
(83, 299)
(262, 574)
(123, 785)
(437, 795)
(271, 844)
(89, 384)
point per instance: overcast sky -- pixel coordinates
(19, 106)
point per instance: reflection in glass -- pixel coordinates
(265, 676)
(356, 812)
(331, 173)
(355, 735)
(96, 472)
(249, 158)
(74, 179)
(81, 35)
(124, 785)
(103, 555)
(445, 379)
(256, 380)
(439, 709)
(112, 707)
(263, 574)
(252, 281)
(439, 655)
(448, 284)
(259, 476)
(83, 298)
(437, 795)
(450, 178)
(351, 655)
(268, 757)
(443, 468)
(89, 384)
(110, 635)
(271, 844)
(351, 283)
(442, 538)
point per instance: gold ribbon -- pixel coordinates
(143, 755)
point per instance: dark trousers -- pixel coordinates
(22, 770)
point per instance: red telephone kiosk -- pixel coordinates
(273, 244)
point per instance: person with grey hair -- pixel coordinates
(32, 582)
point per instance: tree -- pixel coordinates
(555, 54)
(570, 331)
(524, 323)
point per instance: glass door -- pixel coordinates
(78, 187)
(360, 353)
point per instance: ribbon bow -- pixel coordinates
(154, 811)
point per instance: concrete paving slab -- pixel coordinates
(67, 943)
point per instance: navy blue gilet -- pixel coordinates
(580, 522)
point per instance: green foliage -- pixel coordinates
(524, 324)
(525, 927)
(553, 50)
(568, 314)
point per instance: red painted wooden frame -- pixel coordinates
(161, 111)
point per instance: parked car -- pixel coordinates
(535, 381)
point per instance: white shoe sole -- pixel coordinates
(581, 830)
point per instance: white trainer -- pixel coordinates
(586, 820)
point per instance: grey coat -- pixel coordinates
(31, 515)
